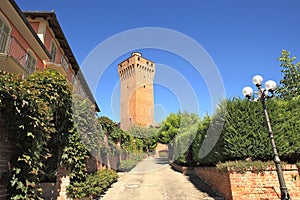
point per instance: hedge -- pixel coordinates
(245, 133)
(94, 185)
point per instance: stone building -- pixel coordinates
(137, 96)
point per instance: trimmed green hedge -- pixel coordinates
(94, 185)
(245, 133)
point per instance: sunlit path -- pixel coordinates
(154, 179)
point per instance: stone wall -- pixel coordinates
(251, 185)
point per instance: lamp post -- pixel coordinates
(262, 95)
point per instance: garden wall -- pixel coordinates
(251, 185)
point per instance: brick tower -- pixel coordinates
(137, 96)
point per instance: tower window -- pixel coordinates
(138, 59)
(144, 86)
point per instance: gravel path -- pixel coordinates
(154, 179)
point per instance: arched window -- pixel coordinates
(4, 34)
(30, 65)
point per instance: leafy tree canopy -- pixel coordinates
(290, 83)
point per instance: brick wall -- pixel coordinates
(218, 181)
(251, 185)
(137, 95)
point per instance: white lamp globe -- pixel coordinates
(247, 91)
(257, 80)
(270, 85)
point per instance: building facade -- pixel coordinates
(137, 96)
(21, 51)
(31, 41)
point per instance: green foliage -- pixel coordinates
(285, 119)
(169, 128)
(163, 154)
(55, 91)
(86, 123)
(142, 139)
(245, 134)
(94, 185)
(179, 131)
(74, 155)
(200, 136)
(290, 82)
(88, 138)
(29, 119)
(39, 113)
(110, 128)
(242, 166)
(127, 165)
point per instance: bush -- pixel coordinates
(127, 165)
(163, 154)
(245, 133)
(94, 185)
(242, 166)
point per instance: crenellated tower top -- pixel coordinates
(137, 64)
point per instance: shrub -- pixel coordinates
(242, 166)
(94, 185)
(245, 133)
(163, 154)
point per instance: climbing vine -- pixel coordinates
(29, 120)
(38, 111)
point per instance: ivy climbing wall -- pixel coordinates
(5, 155)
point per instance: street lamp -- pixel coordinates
(262, 95)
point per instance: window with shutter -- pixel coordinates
(53, 50)
(30, 63)
(4, 35)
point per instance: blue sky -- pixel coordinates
(242, 38)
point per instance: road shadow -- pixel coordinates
(203, 187)
(199, 183)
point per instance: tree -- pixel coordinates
(144, 136)
(290, 83)
(109, 127)
(179, 131)
(169, 128)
